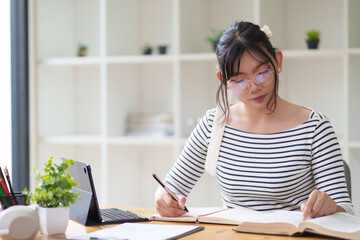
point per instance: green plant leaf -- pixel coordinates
(215, 36)
(313, 34)
(55, 185)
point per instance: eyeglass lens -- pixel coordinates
(263, 78)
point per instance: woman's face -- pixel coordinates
(254, 83)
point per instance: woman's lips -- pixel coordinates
(259, 98)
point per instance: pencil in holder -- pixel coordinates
(18, 197)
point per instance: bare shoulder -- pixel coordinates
(300, 113)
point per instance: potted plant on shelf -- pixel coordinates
(313, 38)
(214, 38)
(162, 49)
(82, 50)
(147, 49)
(53, 196)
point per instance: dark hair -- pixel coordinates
(235, 40)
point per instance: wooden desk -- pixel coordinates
(211, 231)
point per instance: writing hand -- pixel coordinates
(168, 207)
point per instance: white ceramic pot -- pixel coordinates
(53, 220)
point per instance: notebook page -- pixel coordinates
(138, 231)
(239, 214)
(202, 211)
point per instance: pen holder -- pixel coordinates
(19, 198)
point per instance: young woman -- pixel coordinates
(274, 155)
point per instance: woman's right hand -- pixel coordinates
(168, 207)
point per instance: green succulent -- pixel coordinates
(83, 48)
(215, 36)
(313, 34)
(55, 185)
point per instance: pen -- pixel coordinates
(173, 195)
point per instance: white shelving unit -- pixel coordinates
(79, 105)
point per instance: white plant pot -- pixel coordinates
(53, 220)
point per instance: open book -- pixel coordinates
(341, 225)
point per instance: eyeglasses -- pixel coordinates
(262, 78)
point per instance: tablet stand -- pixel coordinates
(79, 211)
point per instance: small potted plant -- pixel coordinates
(53, 196)
(214, 38)
(147, 49)
(162, 49)
(82, 50)
(313, 38)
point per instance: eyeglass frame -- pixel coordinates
(252, 79)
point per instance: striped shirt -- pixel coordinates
(267, 172)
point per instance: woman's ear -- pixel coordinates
(218, 74)
(279, 59)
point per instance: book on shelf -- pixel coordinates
(340, 225)
(146, 124)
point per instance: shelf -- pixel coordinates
(143, 141)
(75, 61)
(287, 53)
(71, 61)
(318, 53)
(140, 59)
(197, 57)
(73, 139)
(81, 104)
(355, 144)
(354, 51)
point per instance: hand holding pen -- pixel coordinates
(167, 208)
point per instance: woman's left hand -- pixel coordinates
(319, 204)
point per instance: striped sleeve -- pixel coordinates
(190, 165)
(327, 165)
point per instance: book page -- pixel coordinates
(247, 215)
(142, 231)
(291, 217)
(279, 222)
(341, 222)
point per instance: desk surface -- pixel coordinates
(211, 231)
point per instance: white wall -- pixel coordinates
(5, 86)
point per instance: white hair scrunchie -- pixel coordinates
(267, 31)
